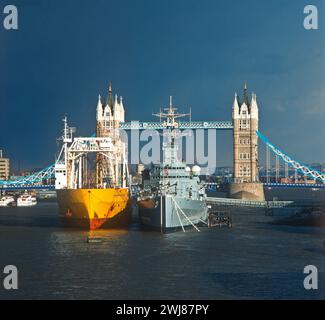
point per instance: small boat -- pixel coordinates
(7, 201)
(26, 200)
(94, 240)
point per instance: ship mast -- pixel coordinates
(171, 115)
(62, 171)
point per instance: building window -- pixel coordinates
(244, 156)
(244, 171)
(244, 124)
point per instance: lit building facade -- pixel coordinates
(245, 122)
(4, 167)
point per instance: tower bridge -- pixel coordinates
(182, 125)
(244, 125)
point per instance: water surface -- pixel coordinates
(252, 260)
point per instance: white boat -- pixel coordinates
(7, 201)
(26, 200)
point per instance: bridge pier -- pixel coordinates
(247, 191)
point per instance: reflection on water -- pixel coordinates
(71, 241)
(254, 259)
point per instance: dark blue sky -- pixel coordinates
(201, 52)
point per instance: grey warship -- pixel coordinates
(173, 197)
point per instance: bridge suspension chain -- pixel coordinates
(32, 179)
(304, 169)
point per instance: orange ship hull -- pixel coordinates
(95, 208)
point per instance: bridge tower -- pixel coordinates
(245, 122)
(109, 115)
(245, 149)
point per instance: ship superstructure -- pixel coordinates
(94, 196)
(173, 197)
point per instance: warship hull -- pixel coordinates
(94, 208)
(171, 213)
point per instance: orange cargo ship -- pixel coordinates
(100, 199)
(95, 208)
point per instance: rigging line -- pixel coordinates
(187, 218)
(179, 218)
(203, 221)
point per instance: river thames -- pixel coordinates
(252, 260)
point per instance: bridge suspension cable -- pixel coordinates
(304, 169)
(33, 179)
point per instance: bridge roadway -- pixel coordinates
(295, 185)
(40, 187)
(12, 186)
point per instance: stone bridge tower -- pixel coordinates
(245, 143)
(245, 122)
(109, 115)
